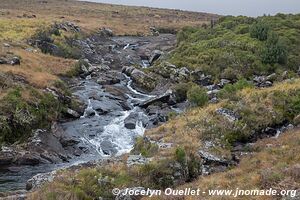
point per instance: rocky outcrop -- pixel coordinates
(40, 179)
(164, 98)
(106, 32)
(136, 160)
(140, 79)
(67, 26)
(170, 71)
(229, 114)
(14, 60)
(155, 55)
(264, 81)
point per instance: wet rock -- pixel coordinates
(29, 159)
(69, 141)
(73, 113)
(229, 114)
(143, 80)
(164, 98)
(6, 158)
(131, 121)
(155, 55)
(108, 148)
(109, 78)
(137, 160)
(40, 179)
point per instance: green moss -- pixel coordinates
(19, 116)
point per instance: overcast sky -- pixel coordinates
(223, 7)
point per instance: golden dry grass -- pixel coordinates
(91, 16)
(39, 69)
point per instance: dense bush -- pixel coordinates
(181, 90)
(260, 30)
(230, 90)
(275, 50)
(245, 45)
(197, 95)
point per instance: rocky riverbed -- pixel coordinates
(120, 102)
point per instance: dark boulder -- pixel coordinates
(155, 55)
(164, 98)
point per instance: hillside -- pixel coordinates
(248, 138)
(145, 98)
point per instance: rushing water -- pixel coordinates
(100, 131)
(223, 7)
(105, 135)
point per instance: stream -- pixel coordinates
(101, 131)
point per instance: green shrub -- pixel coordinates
(275, 50)
(260, 30)
(144, 147)
(77, 68)
(197, 95)
(180, 155)
(230, 90)
(181, 90)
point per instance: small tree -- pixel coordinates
(275, 50)
(197, 95)
(260, 30)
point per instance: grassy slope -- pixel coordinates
(230, 51)
(274, 166)
(188, 132)
(91, 16)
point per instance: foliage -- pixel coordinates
(180, 155)
(260, 30)
(275, 50)
(76, 70)
(197, 95)
(20, 115)
(229, 91)
(245, 45)
(144, 147)
(181, 90)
